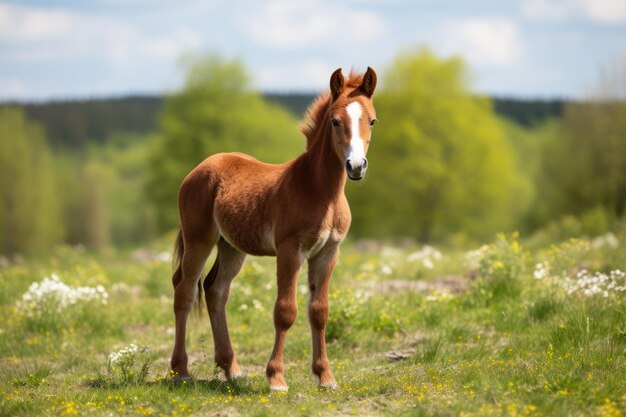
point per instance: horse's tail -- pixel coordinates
(179, 249)
(177, 258)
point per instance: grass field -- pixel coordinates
(511, 328)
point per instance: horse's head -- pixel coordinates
(352, 117)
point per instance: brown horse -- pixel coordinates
(295, 211)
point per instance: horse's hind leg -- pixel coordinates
(186, 280)
(217, 289)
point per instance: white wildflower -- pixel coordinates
(599, 283)
(542, 270)
(257, 305)
(605, 240)
(386, 269)
(442, 295)
(164, 257)
(426, 256)
(474, 257)
(53, 294)
(121, 364)
(362, 296)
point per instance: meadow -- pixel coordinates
(514, 327)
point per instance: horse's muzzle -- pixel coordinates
(356, 172)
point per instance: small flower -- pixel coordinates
(426, 256)
(386, 269)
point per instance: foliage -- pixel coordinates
(120, 169)
(129, 365)
(439, 159)
(499, 266)
(29, 204)
(51, 304)
(584, 164)
(216, 111)
(594, 140)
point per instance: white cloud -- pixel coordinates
(484, 41)
(288, 24)
(38, 34)
(601, 11)
(607, 11)
(544, 9)
(307, 75)
(18, 23)
(12, 88)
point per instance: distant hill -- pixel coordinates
(74, 123)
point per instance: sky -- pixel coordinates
(513, 48)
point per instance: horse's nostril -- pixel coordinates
(364, 163)
(348, 165)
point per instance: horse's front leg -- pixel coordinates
(320, 271)
(285, 310)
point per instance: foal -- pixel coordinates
(295, 211)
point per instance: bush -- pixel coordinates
(499, 266)
(52, 305)
(130, 365)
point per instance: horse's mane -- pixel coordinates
(317, 110)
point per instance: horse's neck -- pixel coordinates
(322, 170)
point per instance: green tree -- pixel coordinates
(440, 162)
(594, 173)
(583, 161)
(29, 205)
(120, 168)
(216, 111)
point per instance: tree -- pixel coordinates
(29, 206)
(216, 111)
(593, 171)
(439, 159)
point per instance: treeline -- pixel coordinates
(76, 123)
(444, 165)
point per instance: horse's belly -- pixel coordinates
(248, 234)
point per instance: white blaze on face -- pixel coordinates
(356, 151)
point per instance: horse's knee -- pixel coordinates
(318, 313)
(285, 313)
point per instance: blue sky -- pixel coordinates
(521, 48)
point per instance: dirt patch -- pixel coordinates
(453, 284)
(398, 355)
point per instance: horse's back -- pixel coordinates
(229, 164)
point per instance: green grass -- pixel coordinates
(499, 343)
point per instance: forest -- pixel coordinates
(105, 172)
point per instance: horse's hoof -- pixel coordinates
(279, 388)
(181, 379)
(235, 376)
(332, 385)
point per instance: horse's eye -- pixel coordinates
(335, 122)
(373, 122)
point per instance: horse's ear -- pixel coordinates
(369, 82)
(336, 83)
